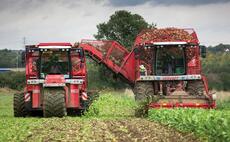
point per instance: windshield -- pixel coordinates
(54, 62)
(170, 60)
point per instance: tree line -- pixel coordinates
(10, 58)
(216, 66)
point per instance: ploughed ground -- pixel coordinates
(98, 130)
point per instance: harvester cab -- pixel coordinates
(170, 60)
(56, 81)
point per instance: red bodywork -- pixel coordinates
(126, 63)
(74, 84)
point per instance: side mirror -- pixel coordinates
(203, 51)
(23, 60)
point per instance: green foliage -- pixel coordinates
(9, 58)
(217, 67)
(112, 105)
(223, 105)
(99, 77)
(123, 26)
(211, 125)
(13, 129)
(219, 48)
(6, 102)
(13, 80)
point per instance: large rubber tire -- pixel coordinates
(164, 89)
(54, 103)
(19, 105)
(195, 88)
(143, 92)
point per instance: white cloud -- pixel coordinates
(56, 21)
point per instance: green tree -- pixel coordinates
(217, 67)
(123, 26)
(10, 58)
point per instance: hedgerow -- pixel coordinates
(13, 80)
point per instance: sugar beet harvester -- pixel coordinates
(164, 67)
(56, 81)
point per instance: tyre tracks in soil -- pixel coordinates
(100, 130)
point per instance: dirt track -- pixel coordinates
(121, 130)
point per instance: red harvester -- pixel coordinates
(56, 81)
(163, 67)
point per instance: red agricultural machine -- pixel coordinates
(164, 67)
(56, 81)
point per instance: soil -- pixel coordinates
(98, 130)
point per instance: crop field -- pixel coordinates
(111, 118)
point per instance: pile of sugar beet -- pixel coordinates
(165, 35)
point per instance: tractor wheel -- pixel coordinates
(143, 92)
(54, 103)
(195, 88)
(19, 105)
(164, 89)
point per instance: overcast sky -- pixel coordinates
(73, 20)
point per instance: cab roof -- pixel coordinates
(55, 44)
(50, 45)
